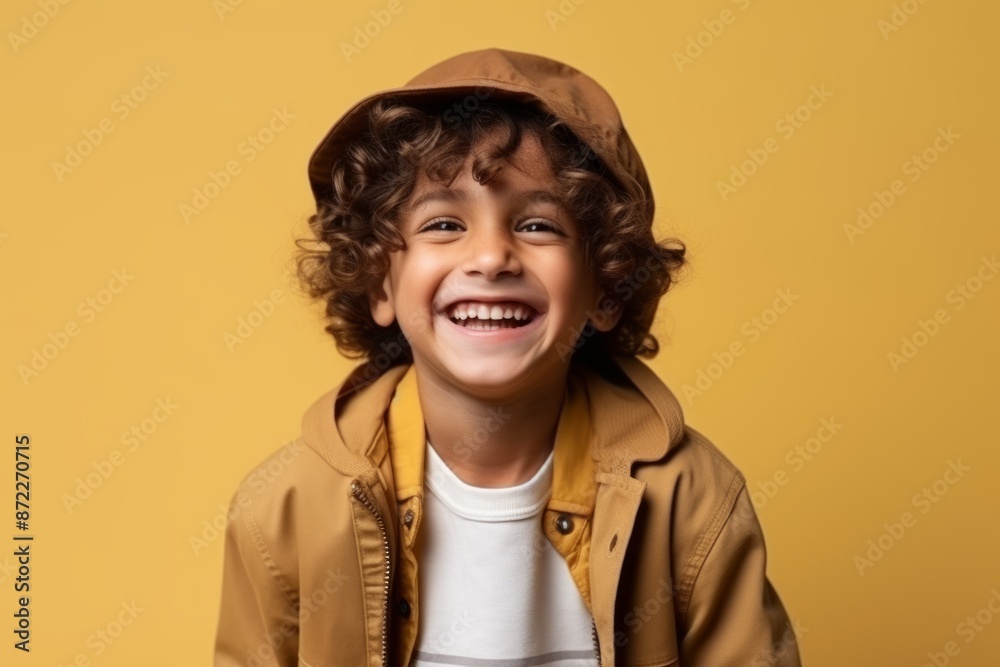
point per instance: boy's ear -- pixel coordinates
(606, 319)
(380, 301)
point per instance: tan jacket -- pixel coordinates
(656, 527)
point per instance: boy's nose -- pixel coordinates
(491, 251)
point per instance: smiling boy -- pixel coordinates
(503, 482)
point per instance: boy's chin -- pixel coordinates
(491, 377)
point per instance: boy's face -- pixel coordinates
(493, 249)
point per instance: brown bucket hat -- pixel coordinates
(570, 95)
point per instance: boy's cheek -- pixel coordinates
(418, 323)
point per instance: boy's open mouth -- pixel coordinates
(481, 316)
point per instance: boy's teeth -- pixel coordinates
(483, 311)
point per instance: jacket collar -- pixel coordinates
(571, 460)
(622, 415)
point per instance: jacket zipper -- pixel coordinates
(360, 494)
(597, 645)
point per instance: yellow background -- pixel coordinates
(162, 336)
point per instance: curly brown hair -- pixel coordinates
(354, 230)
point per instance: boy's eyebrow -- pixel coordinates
(449, 195)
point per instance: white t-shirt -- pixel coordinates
(492, 587)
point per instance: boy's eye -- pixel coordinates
(542, 224)
(435, 225)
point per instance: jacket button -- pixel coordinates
(564, 524)
(404, 608)
(408, 518)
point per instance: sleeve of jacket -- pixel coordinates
(734, 616)
(258, 619)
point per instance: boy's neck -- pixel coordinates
(497, 442)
